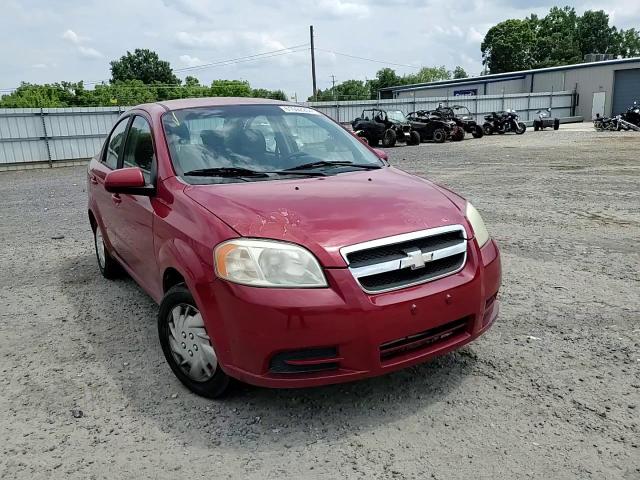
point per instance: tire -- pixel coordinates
(457, 134)
(179, 319)
(536, 125)
(109, 267)
(373, 141)
(439, 135)
(487, 129)
(521, 128)
(389, 138)
(477, 132)
(556, 124)
(414, 138)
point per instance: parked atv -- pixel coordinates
(433, 128)
(388, 127)
(544, 120)
(504, 122)
(463, 118)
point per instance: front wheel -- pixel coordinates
(439, 135)
(556, 124)
(187, 346)
(414, 138)
(477, 132)
(487, 129)
(389, 138)
(536, 125)
(520, 128)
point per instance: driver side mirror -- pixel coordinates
(128, 181)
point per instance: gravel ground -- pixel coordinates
(551, 392)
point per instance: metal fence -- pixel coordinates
(33, 135)
(526, 104)
(53, 134)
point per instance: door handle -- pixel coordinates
(93, 180)
(116, 198)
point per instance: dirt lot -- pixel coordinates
(551, 392)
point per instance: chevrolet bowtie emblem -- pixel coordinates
(415, 258)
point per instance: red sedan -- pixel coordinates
(282, 251)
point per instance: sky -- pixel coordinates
(54, 40)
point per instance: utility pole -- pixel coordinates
(313, 64)
(333, 88)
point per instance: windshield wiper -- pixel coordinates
(325, 163)
(225, 172)
(230, 172)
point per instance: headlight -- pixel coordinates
(479, 228)
(267, 263)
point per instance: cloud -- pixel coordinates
(88, 52)
(190, 61)
(222, 40)
(83, 50)
(71, 36)
(342, 8)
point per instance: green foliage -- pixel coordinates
(386, 77)
(230, 88)
(143, 65)
(560, 38)
(459, 72)
(131, 92)
(508, 46)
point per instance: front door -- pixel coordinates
(135, 212)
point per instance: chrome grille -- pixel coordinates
(409, 259)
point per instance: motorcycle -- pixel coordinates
(632, 115)
(614, 124)
(504, 122)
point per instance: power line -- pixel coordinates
(221, 63)
(285, 51)
(367, 59)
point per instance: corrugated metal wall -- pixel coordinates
(59, 134)
(53, 134)
(524, 103)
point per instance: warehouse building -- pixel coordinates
(606, 87)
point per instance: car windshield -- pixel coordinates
(222, 144)
(396, 116)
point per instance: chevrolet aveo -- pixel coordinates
(284, 252)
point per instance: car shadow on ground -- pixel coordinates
(120, 321)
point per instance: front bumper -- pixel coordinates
(252, 326)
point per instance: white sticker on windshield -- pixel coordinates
(294, 109)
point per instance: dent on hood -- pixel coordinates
(277, 223)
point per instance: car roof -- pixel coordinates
(179, 104)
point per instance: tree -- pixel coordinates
(508, 46)
(459, 72)
(627, 42)
(556, 38)
(426, 75)
(143, 65)
(230, 88)
(594, 33)
(560, 38)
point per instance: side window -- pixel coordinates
(138, 151)
(116, 143)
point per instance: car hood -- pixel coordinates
(327, 213)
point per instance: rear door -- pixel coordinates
(134, 219)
